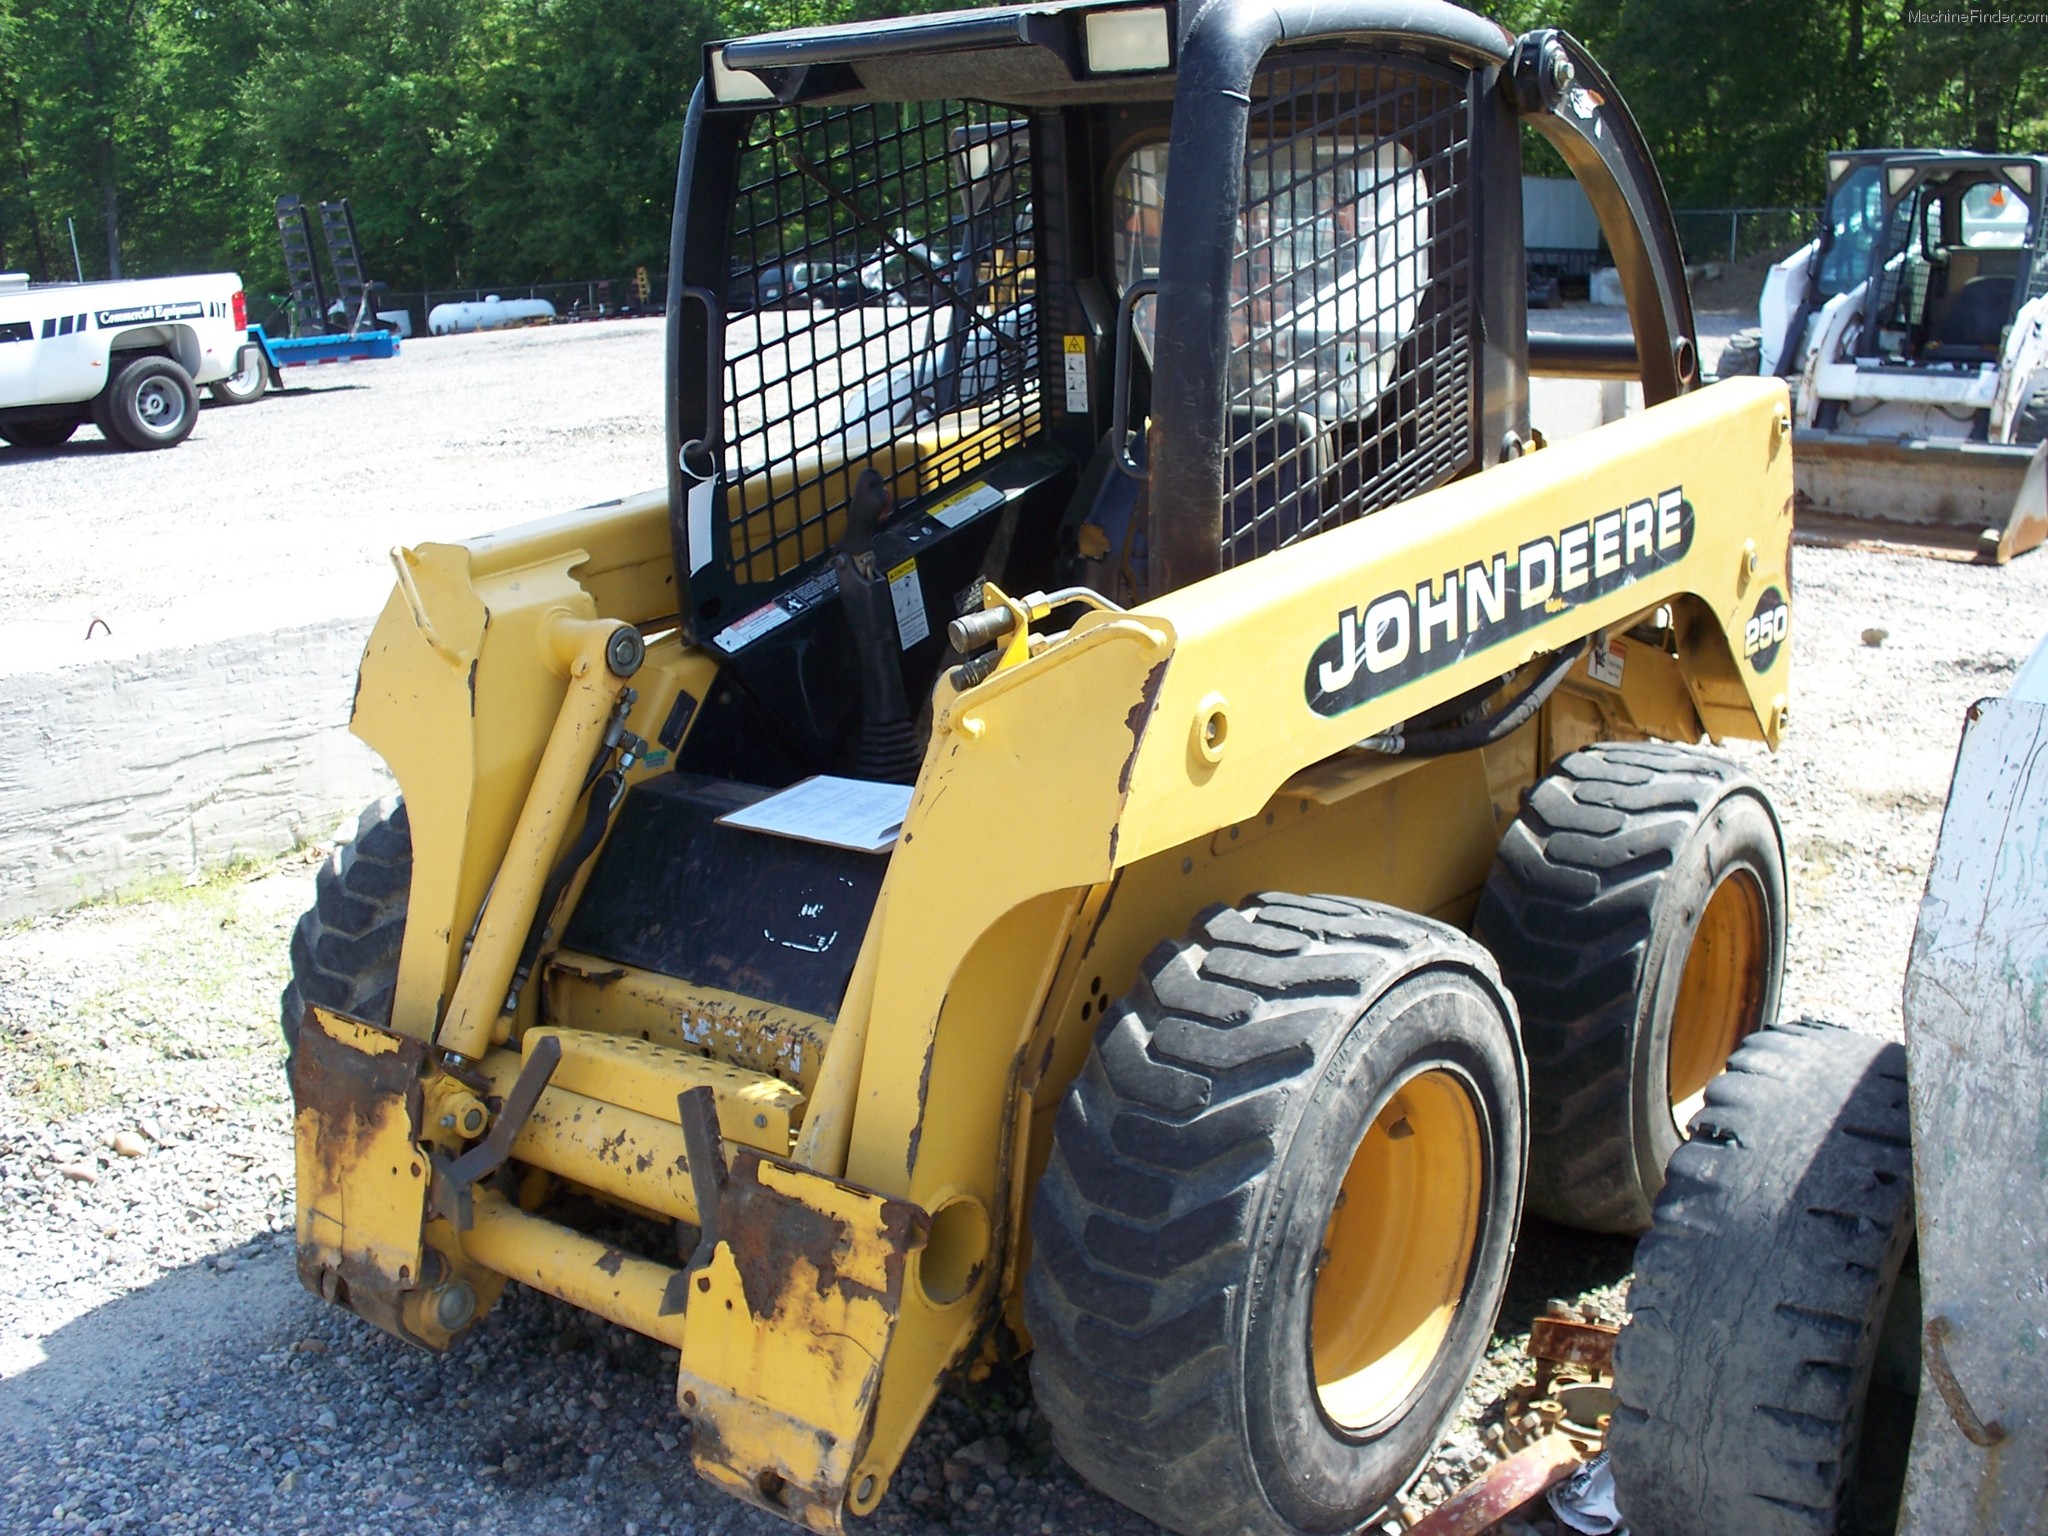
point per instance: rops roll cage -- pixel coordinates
(1037, 57)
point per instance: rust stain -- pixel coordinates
(924, 1083)
(352, 1095)
(1135, 721)
(1505, 1487)
(1568, 1342)
(769, 1233)
(347, 1100)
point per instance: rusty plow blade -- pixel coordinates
(1985, 500)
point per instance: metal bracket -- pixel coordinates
(455, 1177)
(697, 1112)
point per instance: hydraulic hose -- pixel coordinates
(1443, 741)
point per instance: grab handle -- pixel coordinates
(1120, 390)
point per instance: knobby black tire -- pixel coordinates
(344, 953)
(1767, 1375)
(1590, 910)
(1177, 1225)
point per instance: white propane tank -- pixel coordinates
(490, 314)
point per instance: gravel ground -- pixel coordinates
(161, 1370)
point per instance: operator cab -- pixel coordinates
(1951, 244)
(1070, 362)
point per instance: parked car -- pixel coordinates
(798, 285)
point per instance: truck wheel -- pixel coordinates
(1637, 909)
(345, 947)
(1769, 1373)
(151, 403)
(1742, 356)
(1275, 1227)
(250, 378)
(37, 431)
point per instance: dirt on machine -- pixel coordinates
(1913, 331)
(1120, 803)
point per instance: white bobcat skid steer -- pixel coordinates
(1914, 333)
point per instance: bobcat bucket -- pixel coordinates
(1985, 500)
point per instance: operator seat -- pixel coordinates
(1968, 325)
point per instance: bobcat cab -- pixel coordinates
(1119, 803)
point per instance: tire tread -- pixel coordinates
(344, 949)
(1754, 1300)
(1161, 1155)
(1570, 911)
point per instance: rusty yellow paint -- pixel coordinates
(586, 993)
(1074, 809)
(789, 1319)
(362, 1179)
(458, 693)
(625, 1289)
(754, 1109)
(635, 1159)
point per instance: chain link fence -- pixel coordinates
(597, 298)
(1736, 234)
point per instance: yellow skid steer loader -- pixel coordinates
(1120, 800)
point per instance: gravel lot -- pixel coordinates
(161, 1370)
(282, 512)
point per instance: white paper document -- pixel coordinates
(841, 813)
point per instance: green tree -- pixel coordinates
(363, 99)
(571, 136)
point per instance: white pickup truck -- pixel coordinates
(126, 356)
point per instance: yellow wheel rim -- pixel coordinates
(1397, 1251)
(1721, 994)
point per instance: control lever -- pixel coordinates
(888, 740)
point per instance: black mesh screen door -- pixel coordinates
(879, 313)
(1352, 335)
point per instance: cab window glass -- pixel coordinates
(1137, 204)
(1855, 216)
(1994, 217)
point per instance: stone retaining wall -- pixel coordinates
(174, 761)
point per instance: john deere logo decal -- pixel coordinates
(1764, 635)
(1401, 635)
